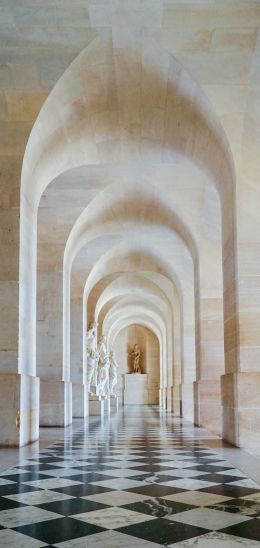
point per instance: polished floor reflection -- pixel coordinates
(141, 479)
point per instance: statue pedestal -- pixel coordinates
(114, 404)
(136, 389)
(107, 405)
(96, 406)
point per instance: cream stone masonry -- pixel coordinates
(129, 195)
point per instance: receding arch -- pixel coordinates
(58, 142)
(142, 318)
(129, 284)
(128, 306)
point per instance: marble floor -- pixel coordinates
(140, 479)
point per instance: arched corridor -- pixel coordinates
(137, 222)
(129, 216)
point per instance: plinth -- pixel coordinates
(107, 405)
(136, 389)
(96, 406)
(114, 403)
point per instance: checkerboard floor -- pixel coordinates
(139, 480)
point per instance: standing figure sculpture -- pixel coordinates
(92, 356)
(112, 373)
(103, 367)
(136, 353)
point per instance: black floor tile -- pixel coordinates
(40, 467)
(72, 506)
(158, 507)
(93, 468)
(59, 530)
(91, 477)
(247, 529)
(163, 531)
(82, 490)
(205, 461)
(15, 488)
(210, 469)
(145, 477)
(8, 504)
(42, 460)
(28, 476)
(239, 506)
(155, 490)
(221, 478)
(229, 490)
(152, 468)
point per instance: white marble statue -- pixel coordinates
(112, 373)
(92, 356)
(103, 367)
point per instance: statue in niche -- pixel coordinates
(136, 354)
(18, 420)
(92, 356)
(103, 367)
(112, 373)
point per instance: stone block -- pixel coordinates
(19, 408)
(136, 392)
(55, 403)
(207, 405)
(114, 404)
(79, 397)
(241, 409)
(187, 401)
(96, 407)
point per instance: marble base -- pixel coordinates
(187, 401)
(114, 404)
(163, 398)
(207, 405)
(176, 400)
(19, 409)
(136, 390)
(96, 407)
(107, 406)
(79, 397)
(55, 403)
(169, 398)
(241, 409)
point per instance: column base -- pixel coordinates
(114, 404)
(187, 401)
(169, 398)
(163, 398)
(107, 406)
(241, 409)
(19, 408)
(79, 401)
(55, 403)
(96, 407)
(176, 400)
(207, 405)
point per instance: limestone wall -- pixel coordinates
(187, 126)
